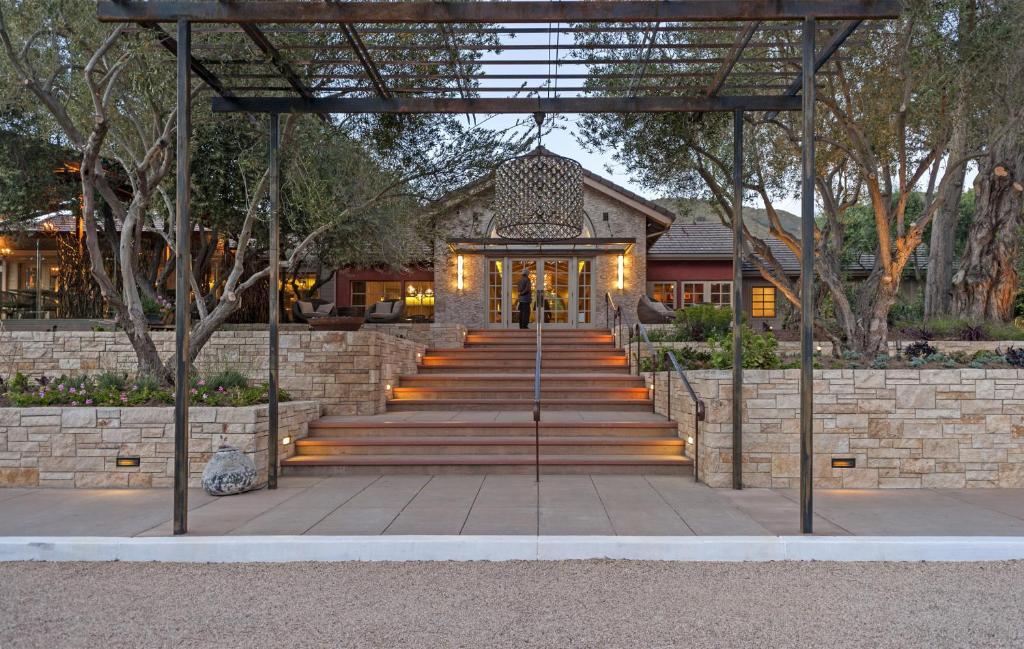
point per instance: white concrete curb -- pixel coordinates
(272, 549)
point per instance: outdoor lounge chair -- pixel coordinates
(650, 311)
(385, 311)
(304, 311)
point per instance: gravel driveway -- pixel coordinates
(515, 604)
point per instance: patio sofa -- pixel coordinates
(385, 311)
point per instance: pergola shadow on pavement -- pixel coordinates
(342, 59)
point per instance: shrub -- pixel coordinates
(114, 390)
(995, 330)
(881, 362)
(19, 383)
(111, 381)
(1015, 356)
(702, 322)
(228, 379)
(920, 349)
(760, 351)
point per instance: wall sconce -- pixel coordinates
(621, 273)
(460, 266)
(128, 460)
(844, 463)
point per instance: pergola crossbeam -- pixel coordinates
(742, 40)
(519, 11)
(365, 60)
(518, 105)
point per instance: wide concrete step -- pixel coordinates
(524, 347)
(407, 405)
(550, 367)
(503, 354)
(522, 380)
(489, 445)
(518, 393)
(522, 362)
(493, 463)
(548, 339)
(617, 425)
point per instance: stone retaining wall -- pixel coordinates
(345, 371)
(77, 447)
(904, 428)
(434, 335)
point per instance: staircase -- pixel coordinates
(469, 410)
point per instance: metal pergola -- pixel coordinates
(325, 57)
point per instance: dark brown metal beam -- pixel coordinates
(365, 59)
(742, 40)
(519, 105)
(272, 53)
(518, 11)
(821, 58)
(170, 44)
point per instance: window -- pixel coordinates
(721, 293)
(419, 300)
(367, 292)
(693, 293)
(664, 292)
(762, 302)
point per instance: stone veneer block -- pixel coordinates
(71, 454)
(906, 428)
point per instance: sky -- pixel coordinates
(562, 140)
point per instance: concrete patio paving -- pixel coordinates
(625, 505)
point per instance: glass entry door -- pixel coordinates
(566, 283)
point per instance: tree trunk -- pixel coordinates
(937, 289)
(986, 281)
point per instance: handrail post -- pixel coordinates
(536, 382)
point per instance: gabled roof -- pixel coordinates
(712, 240)
(659, 215)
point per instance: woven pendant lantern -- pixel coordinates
(539, 196)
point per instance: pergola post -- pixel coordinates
(182, 274)
(737, 299)
(273, 297)
(807, 281)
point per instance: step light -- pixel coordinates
(128, 460)
(844, 463)
(286, 440)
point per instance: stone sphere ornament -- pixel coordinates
(229, 471)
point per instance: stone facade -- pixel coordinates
(472, 219)
(904, 428)
(433, 335)
(346, 371)
(78, 447)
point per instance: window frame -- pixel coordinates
(675, 291)
(759, 307)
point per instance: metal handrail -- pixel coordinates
(536, 381)
(615, 318)
(699, 409)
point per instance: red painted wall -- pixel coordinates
(343, 290)
(696, 270)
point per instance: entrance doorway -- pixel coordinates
(567, 282)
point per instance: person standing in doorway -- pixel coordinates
(525, 289)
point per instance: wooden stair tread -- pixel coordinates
(466, 440)
(495, 459)
(321, 424)
(498, 402)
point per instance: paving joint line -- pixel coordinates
(343, 503)
(670, 505)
